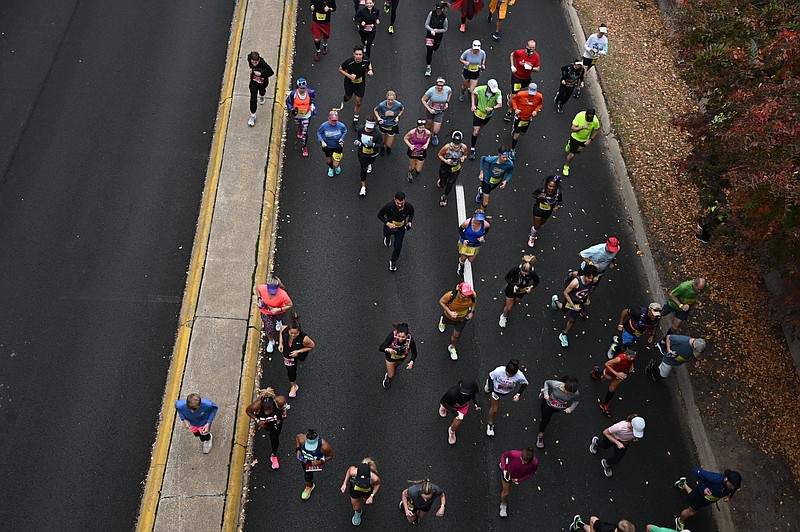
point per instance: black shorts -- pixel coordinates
(486, 188)
(697, 500)
(539, 213)
(457, 325)
(390, 359)
(355, 494)
(351, 88)
(330, 151)
(518, 84)
(587, 61)
(575, 146)
(389, 130)
(447, 172)
(420, 157)
(466, 74)
(480, 122)
(509, 292)
(520, 128)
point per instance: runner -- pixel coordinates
(331, 135)
(269, 411)
(417, 141)
(525, 104)
(397, 216)
(576, 296)
(197, 414)
(391, 5)
(571, 78)
(503, 6)
(547, 200)
(711, 487)
(615, 370)
(681, 300)
(603, 256)
(635, 323)
(452, 156)
(458, 307)
(468, 9)
(397, 346)
(295, 346)
(585, 127)
(313, 452)
(389, 112)
(524, 62)
(417, 500)
(557, 396)
(596, 525)
(485, 100)
(496, 171)
(595, 47)
(436, 26)
(369, 142)
(676, 349)
(436, 100)
(321, 25)
(362, 483)
(516, 467)
(260, 73)
(501, 382)
(472, 235)
(456, 400)
(355, 71)
(474, 61)
(367, 19)
(619, 436)
(520, 281)
(300, 103)
(273, 302)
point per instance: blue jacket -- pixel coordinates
(494, 172)
(290, 100)
(205, 413)
(714, 482)
(330, 135)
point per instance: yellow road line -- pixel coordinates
(234, 501)
(158, 460)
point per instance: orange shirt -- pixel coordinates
(526, 103)
(272, 302)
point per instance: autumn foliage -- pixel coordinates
(742, 59)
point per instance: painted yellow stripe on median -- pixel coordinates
(166, 425)
(233, 498)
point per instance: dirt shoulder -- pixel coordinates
(746, 389)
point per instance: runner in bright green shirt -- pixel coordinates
(681, 299)
(485, 100)
(585, 127)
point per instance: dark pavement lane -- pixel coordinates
(108, 114)
(330, 256)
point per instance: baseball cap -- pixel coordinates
(457, 136)
(656, 308)
(612, 243)
(476, 44)
(363, 476)
(492, 83)
(532, 88)
(638, 428)
(734, 477)
(301, 82)
(312, 440)
(467, 387)
(333, 115)
(603, 28)
(466, 289)
(272, 288)
(699, 346)
(439, 5)
(591, 111)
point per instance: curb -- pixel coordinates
(683, 388)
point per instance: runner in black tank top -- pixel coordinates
(269, 411)
(295, 345)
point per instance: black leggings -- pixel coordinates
(437, 40)
(447, 179)
(255, 90)
(367, 38)
(564, 93)
(547, 413)
(274, 430)
(291, 371)
(365, 162)
(393, 11)
(203, 437)
(605, 443)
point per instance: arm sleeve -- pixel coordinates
(484, 163)
(548, 387)
(428, 22)
(413, 349)
(587, 46)
(462, 233)
(522, 387)
(445, 27)
(313, 94)
(386, 343)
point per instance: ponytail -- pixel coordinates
(426, 485)
(527, 263)
(294, 324)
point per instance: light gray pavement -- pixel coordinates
(195, 485)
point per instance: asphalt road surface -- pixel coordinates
(107, 118)
(331, 258)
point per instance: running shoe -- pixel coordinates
(577, 523)
(274, 460)
(324, 49)
(565, 170)
(595, 373)
(443, 201)
(462, 29)
(387, 241)
(560, 108)
(441, 324)
(680, 483)
(503, 510)
(387, 6)
(606, 468)
(435, 140)
(507, 116)
(363, 191)
(305, 151)
(428, 72)
(540, 441)
(451, 436)
(496, 36)
(293, 390)
(369, 168)
(577, 93)
(208, 444)
(460, 269)
(472, 154)
(553, 301)
(356, 520)
(453, 353)
(461, 96)
(252, 120)
(270, 346)
(564, 339)
(299, 133)
(387, 382)
(338, 170)
(531, 241)
(490, 429)
(503, 321)
(679, 524)
(307, 492)
(391, 30)
(442, 411)
(261, 99)
(661, 347)
(614, 342)
(513, 155)
(605, 409)
(330, 172)
(593, 445)
(410, 177)
(479, 196)
(316, 56)
(392, 266)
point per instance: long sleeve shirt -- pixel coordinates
(390, 213)
(511, 461)
(559, 399)
(331, 135)
(714, 482)
(595, 46)
(203, 416)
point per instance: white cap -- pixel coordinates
(532, 88)
(638, 427)
(603, 29)
(476, 44)
(492, 83)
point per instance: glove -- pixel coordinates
(356, 143)
(514, 69)
(294, 111)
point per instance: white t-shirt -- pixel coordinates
(622, 432)
(502, 383)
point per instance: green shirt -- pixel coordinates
(483, 100)
(584, 134)
(686, 294)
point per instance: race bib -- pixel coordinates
(517, 87)
(523, 123)
(474, 68)
(544, 206)
(438, 107)
(528, 66)
(321, 16)
(358, 80)
(369, 27)
(367, 151)
(397, 357)
(258, 80)
(429, 42)
(400, 223)
(310, 468)
(364, 490)
(456, 167)
(337, 156)
(480, 114)
(289, 361)
(493, 180)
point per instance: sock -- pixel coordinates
(388, 151)
(533, 232)
(316, 46)
(473, 141)
(355, 118)
(609, 395)
(253, 115)
(513, 143)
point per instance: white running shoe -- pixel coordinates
(363, 191)
(207, 445)
(369, 168)
(531, 241)
(503, 321)
(503, 510)
(262, 99)
(490, 429)
(270, 346)
(252, 120)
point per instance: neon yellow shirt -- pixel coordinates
(584, 134)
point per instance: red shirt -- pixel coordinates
(521, 59)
